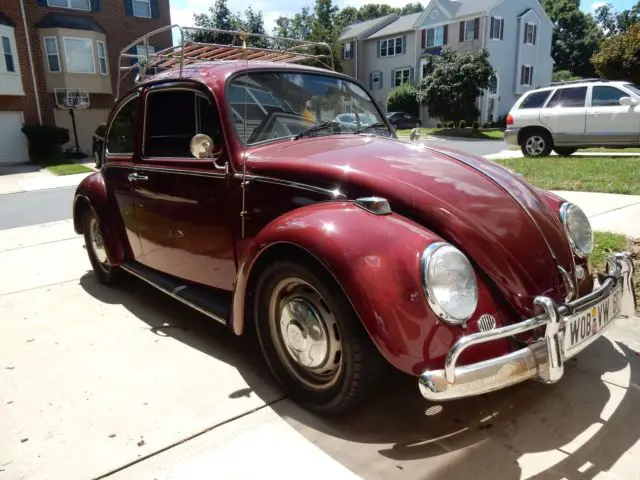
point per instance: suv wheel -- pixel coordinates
(313, 342)
(536, 144)
(564, 152)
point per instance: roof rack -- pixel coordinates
(569, 82)
(205, 44)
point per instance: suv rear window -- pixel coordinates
(535, 99)
(568, 97)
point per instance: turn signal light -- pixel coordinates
(509, 119)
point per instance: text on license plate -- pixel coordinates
(587, 324)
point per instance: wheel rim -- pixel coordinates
(305, 334)
(97, 242)
(535, 145)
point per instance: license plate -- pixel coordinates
(582, 327)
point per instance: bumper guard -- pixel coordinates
(542, 360)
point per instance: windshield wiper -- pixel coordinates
(317, 128)
(371, 125)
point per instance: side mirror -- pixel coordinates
(202, 147)
(628, 101)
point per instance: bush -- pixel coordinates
(403, 99)
(451, 125)
(475, 125)
(438, 125)
(502, 122)
(45, 141)
(462, 124)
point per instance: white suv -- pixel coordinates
(565, 116)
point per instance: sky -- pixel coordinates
(182, 10)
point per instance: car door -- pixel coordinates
(182, 208)
(608, 122)
(119, 152)
(565, 115)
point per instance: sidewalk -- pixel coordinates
(37, 180)
(506, 154)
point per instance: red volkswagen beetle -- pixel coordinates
(233, 186)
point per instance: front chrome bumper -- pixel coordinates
(542, 360)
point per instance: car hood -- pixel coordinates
(501, 222)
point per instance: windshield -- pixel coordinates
(269, 106)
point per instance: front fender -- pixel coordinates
(376, 261)
(91, 194)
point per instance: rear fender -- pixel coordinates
(91, 195)
(375, 259)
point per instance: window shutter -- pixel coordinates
(42, 3)
(370, 80)
(476, 28)
(521, 74)
(95, 5)
(524, 40)
(155, 9)
(128, 7)
(411, 73)
(423, 38)
(445, 35)
(378, 48)
(531, 75)
(535, 33)
(393, 78)
(381, 75)
(501, 29)
(462, 31)
(404, 44)
(493, 22)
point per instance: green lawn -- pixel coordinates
(63, 166)
(603, 244)
(466, 133)
(586, 174)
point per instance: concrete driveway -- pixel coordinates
(124, 383)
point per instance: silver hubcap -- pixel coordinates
(305, 334)
(97, 244)
(535, 145)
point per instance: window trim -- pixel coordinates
(57, 54)
(501, 30)
(106, 61)
(70, 7)
(395, 74)
(386, 41)
(524, 67)
(66, 57)
(11, 53)
(172, 87)
(435, 36)
(473, 35)
(125, 102)
(133, 10)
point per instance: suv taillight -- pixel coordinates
(509, 119)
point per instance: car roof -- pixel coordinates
(576, 83)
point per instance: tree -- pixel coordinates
(457, 80)
(613, 22)
(403, 99)
(576, 36)
(564, 75)
(410, 8)
(619, 56)
(374, 10)
(219, 17)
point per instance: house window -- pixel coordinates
(401, 75)
(390, 47)
(435, 37)
(75, 4)
(376, 80)
(497, 28)
(530, 33)
(53, 56)
(142, 8)
(102, 58)
(78, 54)
(526, 75)
(348, 52)
(469, 30)
(8, 55)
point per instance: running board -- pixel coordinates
(202, 299)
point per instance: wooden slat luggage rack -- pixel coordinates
(189, 51)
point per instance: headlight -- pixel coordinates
(578, 229)
(449, 283)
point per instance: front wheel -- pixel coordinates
(312, 340)
(536, 144)
(565, 151)
(97, 251)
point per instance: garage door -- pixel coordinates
(13, 143)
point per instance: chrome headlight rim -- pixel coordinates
(427, 287)
(564, 218)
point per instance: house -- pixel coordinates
(51, 47)
(517, 34)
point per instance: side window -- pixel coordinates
(568, 97)
(606, 97)
(122, 130)
(173, 117)
(535, 99)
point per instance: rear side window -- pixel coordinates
(535, 99)
(606, 97)
(568, 97)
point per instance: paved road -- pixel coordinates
(33, 208)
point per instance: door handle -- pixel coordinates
(136, 177)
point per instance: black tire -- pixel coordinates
(565, 151)
(536, 143)
(358, 367)
(107, 274)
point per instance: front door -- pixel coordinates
(565, 114)
(608, 122)
(182, 208)
(119, 163)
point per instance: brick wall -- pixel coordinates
(120, 29)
